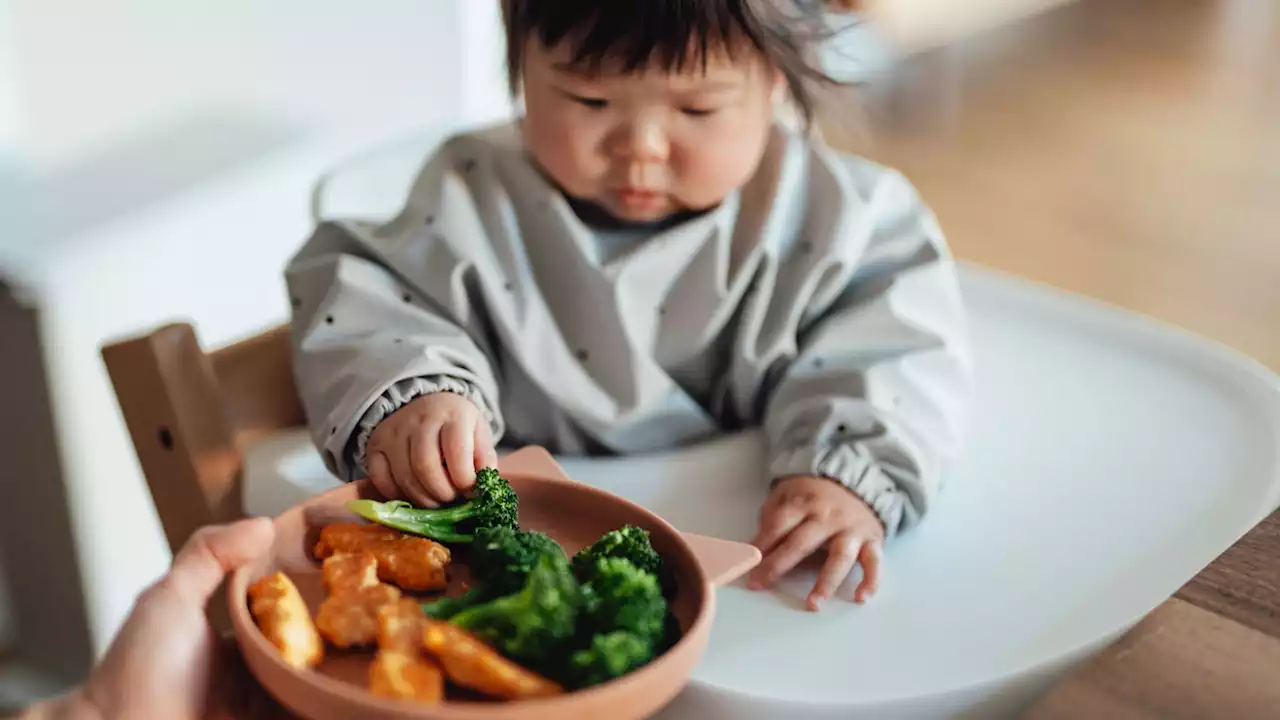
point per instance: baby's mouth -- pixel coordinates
(639, 198)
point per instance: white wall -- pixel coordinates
(8, 84)
(159, 151)
(94, 71)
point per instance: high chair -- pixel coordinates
(191, 413)
(1080, 506)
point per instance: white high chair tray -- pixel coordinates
(1111, 459)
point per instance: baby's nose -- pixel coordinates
(646, 141)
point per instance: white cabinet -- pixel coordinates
(155, 164)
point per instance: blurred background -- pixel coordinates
(156, 159)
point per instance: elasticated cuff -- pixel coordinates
(856, 471)
(406, 391)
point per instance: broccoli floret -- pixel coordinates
(533, 626)
(609, 656)
(493, 503)
(628, 542)
(500, 560)
(621, 596)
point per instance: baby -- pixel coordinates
(645, 259)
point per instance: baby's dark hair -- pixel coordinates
(673, 34)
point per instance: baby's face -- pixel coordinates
(647, 145)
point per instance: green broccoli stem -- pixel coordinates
(446, 608)
(402, 516)
(451, 514)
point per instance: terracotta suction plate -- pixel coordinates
(573, 514)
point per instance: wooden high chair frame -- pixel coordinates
(191, 413)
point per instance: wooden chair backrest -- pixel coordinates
(191, 413)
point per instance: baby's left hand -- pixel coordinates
(805, 515)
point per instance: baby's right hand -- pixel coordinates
(429, 450)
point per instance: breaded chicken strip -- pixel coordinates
(350, 571)
(349, 619)
(400, 669)
(284, 619)
(412, 563)
(472, 664)
(400, 626)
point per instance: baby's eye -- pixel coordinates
(593, 103)
(697, 112)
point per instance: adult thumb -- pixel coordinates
(214, 551)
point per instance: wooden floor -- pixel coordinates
(1125, 149)
(1130, 150)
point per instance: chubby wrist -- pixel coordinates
(856, 472)
(405, 392)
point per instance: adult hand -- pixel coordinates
(167, 661)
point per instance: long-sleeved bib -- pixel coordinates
(819, 302)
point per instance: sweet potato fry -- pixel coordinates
(284, 619)
(412, 563)
(472, 664)
(349, 618)
(406, 676)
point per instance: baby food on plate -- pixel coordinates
(533, 621)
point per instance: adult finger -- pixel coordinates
(872, 558)
(459, 451)
(486, 455)
(800, 544)
(212, 552)
(776, 522)
(380, 475)
(424, 453)
(842, 556)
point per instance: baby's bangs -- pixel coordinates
(673, 36)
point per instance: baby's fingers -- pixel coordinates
(380, 475)
(776, 522)
(842, 556)
(872, 557)
(800, 544)
(459, 454)
(424, 454)
(486, 456)
(401, 461)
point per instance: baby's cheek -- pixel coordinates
(714, 170)
(564, 152)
